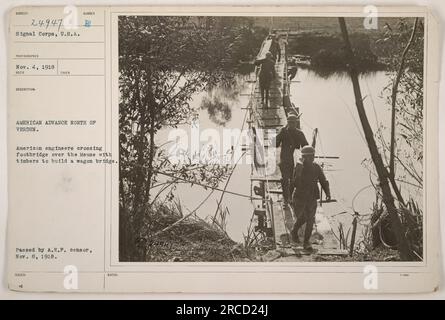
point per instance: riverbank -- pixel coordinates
(191, 240)
(328, 56)
(196, 240)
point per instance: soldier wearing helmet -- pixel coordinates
(305, 193)
(289, 138)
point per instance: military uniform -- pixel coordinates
(266, 75)
(305, 193)
(289, 140)
(292, 69)
(275, 50)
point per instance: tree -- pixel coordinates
(163, 61)
(382, 172)
(403, 43)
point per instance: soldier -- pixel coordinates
(275, 48)
(292, 68)
(289, 138)
(266, 75)
(306, 193)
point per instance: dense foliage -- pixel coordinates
(163, 62)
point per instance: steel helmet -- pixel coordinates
(307, 150)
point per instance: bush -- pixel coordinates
(191, 240)
(411, 218)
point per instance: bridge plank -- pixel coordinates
(274, 117)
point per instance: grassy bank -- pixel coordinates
(191, 240)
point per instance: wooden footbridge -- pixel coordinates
(273, 220)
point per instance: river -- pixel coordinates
(325, 103)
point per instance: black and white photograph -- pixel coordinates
(271, 139)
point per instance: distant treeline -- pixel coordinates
(322, 24)
(328, 55)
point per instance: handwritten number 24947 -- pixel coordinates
(47, 23)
